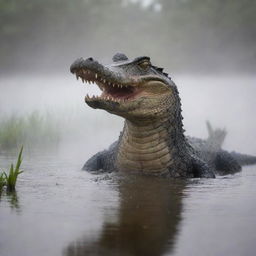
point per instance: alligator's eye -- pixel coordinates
(144, 64)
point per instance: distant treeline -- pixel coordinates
(184, 35)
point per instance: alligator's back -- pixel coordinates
(222, 161)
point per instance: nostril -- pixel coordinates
(90, 59)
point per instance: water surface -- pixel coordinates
(60, 210)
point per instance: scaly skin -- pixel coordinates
(152, 141)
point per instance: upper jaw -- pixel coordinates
(94, 71)
(115, 86)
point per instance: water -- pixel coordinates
(60, 210)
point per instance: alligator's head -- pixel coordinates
(130, 88)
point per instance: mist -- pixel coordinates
(185, 36)
(208, 49)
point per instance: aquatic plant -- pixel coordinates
(11, 178)
(34, 130)
(41, 130)
(11, 132)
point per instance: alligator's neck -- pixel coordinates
(153, 146)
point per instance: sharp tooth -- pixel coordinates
(104, 81)
(84, 71)
(113, 85)
(96, 75)
(121, 86)
(87, 97)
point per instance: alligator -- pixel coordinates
(152, 141)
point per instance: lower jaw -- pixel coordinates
(119, 97)
(109, 97)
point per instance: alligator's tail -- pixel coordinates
(215, 141)
(243, 159)
(215, 138)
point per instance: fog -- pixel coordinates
(207, 48)
(185, 36)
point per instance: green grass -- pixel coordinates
(9, 180)
(34, 131)
(11, 132)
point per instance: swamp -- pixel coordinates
(56, 208)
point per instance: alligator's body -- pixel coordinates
(152, 140)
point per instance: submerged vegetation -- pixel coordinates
(2, 182)
(34, 130)
(9, 180)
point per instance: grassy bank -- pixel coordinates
(34, 130)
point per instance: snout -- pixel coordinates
(89, 64)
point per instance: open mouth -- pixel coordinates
(111, 91)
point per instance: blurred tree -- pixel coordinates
(213, 31)
(181, 34)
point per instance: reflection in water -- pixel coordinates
(146, 222)
(12, 198)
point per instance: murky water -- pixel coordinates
(60, 210)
